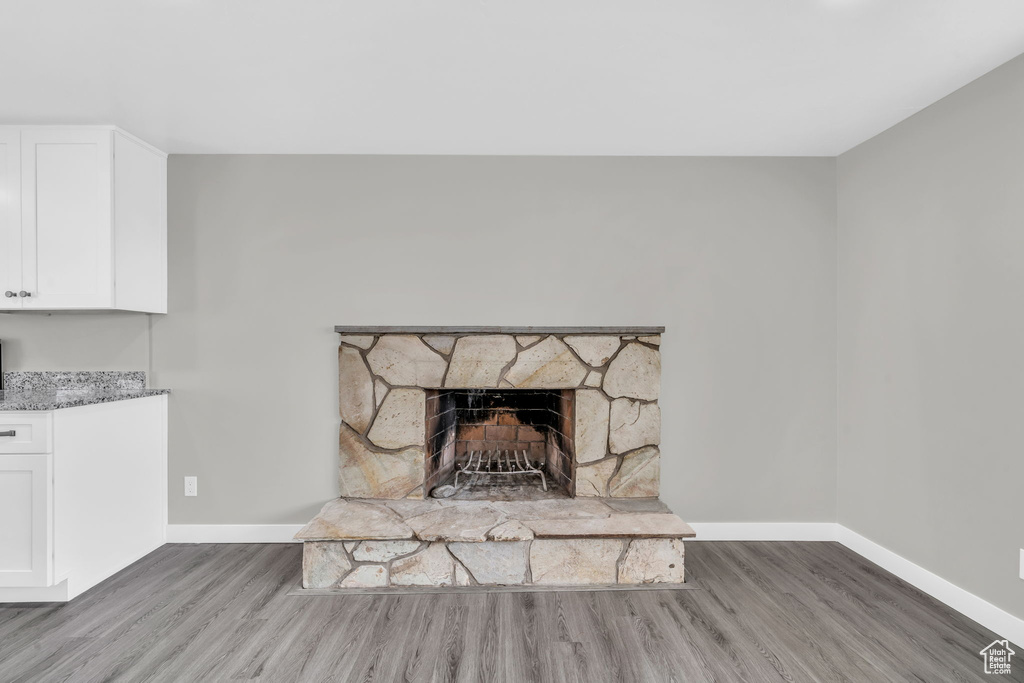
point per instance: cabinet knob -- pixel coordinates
(9, 294)
(24, 293)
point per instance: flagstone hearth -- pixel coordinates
(497, 457)
(375, 543)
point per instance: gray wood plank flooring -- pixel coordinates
(762, 612)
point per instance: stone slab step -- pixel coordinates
(615, 526)
(348, 519)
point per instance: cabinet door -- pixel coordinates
(10, 217)
(66, 218)
(25, 508)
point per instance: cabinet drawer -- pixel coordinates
(24, 433)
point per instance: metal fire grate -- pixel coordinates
(499, 462)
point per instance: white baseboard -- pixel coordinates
(765, 531)
(968, 604)
(58, 593)
(232, 533)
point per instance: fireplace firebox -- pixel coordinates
(500, 443)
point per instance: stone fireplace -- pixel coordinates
(545, 443)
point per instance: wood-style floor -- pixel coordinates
(763, 612)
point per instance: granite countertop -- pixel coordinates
(55, 390)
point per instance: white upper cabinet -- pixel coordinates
(83, 223)
(66, 219)
(10, 215)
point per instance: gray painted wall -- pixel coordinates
(931, 337)
(75, 341)
(267, 253)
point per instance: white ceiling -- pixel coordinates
(637, 77)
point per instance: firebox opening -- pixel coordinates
(500, 444)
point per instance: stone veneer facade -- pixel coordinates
(384, 375)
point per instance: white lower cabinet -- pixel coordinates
(88, 506)
(26, 510)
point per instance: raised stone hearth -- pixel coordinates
(454, 542)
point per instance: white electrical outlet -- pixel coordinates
(191, 486)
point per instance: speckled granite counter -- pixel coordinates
(55, 390)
